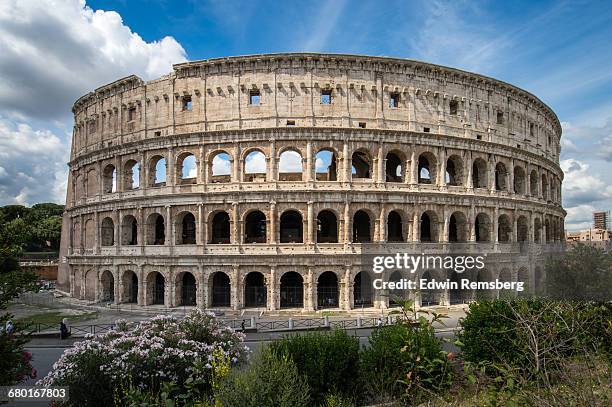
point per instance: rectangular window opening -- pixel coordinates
(478, 137)
(454, 105)
(425, 129)
(362, 125)
(394, 99)
(187, 104)
(326, 96)
(531, 129)
(158, 134)
(290, 123)
(131, 114)
(254, 97)
(500, 117)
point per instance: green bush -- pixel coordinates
(329, 361)
(269, 380)
(405, 360)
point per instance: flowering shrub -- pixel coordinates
(15, 362)
(144, 355)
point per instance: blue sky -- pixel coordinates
(560, 51)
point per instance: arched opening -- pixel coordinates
(255, 167)
(107, 232)
(221, 290)
(156, 289)
(361, 227)
(429, 226)
(327, 290)
(255, 294)
(429, 297)
(291, 290)
(479, 173)
(519, 180)
(255, 227)
(187, 168)
(361, 164)
(482, 228)
(188, 289)
(533, 183)
(454, 171)
(362, 290)
(291, 227)
(393, 167)
(547, 231)
(544, 187)
(501, 177)
(220, 228)
(522, 229)
(89, 234)
(427, 168)
(156, 229)
(157, 171)
(220, 168)
(537, 230)
(327, 227)
(290, 166)
(326, 165)
(458, 295)
(187, 229)
(129, 231)
(109, 179)
(130, 287)
(131, 175)
(395, 227)
(504, 229)
(457, 228)
(92, 182)
(108, 286)
(396, 296)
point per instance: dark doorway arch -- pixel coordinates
(395, 227)
(188, 289)
(291, 227)
(327, 290)
(255, 294)
(188, 229)
(361, 227)
(291, 290)
(327, 227)
(108, 286)
(221, 290)
(362, 290)
(220, 230)
(159, 289)
(255, 227)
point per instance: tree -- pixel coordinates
(582, 273)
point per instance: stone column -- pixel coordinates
(495, 228)
(416, 225)
(140, 238)
(272, 290)
(491, 169)
(382, 228)
(469, 181)
(380, 169)
(116, 287)
(310, 237)
(511, 177)
(170, 170)
(346, 163)
(272, 173)
(309, 299)
(347, 223)
(202, 289)
(309, 167)
(445, 226)
(235, 288)
(202, 168)
(442, 173)
(200, 228)
(97, 233)
(141, 286)
(272, 223)
(346, 304)
(118, 231)
(414, 168)
(514, 237)
(472, 224)
(237, 238)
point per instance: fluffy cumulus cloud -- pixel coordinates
(583, 191)
(52, 52)
(33, 168)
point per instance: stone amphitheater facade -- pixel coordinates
(416, 156)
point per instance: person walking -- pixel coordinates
(64, 329)
(9, 327)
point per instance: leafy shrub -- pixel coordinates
(329, 361)
(405, 359)
(145, 355)
(269, 380)
(15, 362)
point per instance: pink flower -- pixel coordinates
(34, 373)
(27, 356)
(450, 356)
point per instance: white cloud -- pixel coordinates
(51, 53)
(290, 161)
(221, 165)
(33, 163)
(255, 163)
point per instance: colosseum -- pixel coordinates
(259, 182)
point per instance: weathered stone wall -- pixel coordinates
(384, 110)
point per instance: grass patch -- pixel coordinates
(54, 318)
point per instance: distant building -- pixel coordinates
(600, 220)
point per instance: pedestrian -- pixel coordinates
(9, 328)
(64, 329)
(242, 325)
(379, 322)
